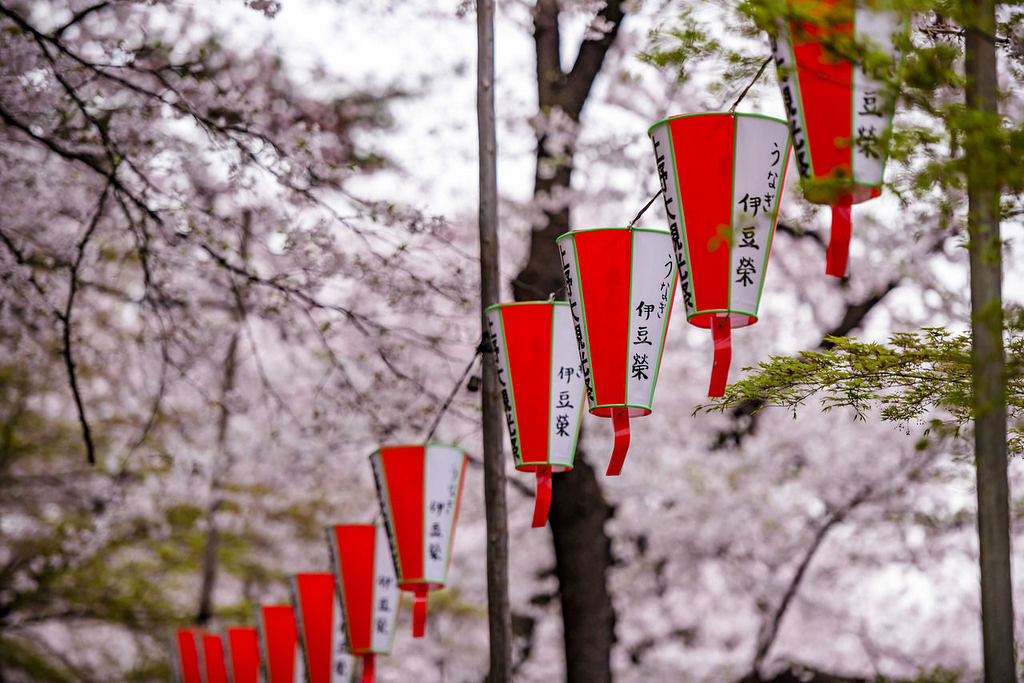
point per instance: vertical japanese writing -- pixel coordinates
(506, 398)
(753, 207)
(385, 593)
(340, 656)
(673, 221)
(377, 464)
(665, 290)
(784, 66)
(640, 366)
(870, 122)
(577, 320)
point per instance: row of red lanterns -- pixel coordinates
(350, 612)
(721, 176)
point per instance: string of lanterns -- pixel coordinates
(721, 177)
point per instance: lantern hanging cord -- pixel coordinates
(480, 348)
(764, 65)
(646, 206)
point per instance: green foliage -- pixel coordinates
(924, 151)
(909, 378)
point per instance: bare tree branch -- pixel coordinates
(771, 628)
(78, 17)
(65, 318)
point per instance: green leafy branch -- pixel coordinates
(906, 378)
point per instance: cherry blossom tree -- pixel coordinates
(220, 280)
(197, 316)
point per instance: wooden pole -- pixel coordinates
(498, 615)
(987, 342)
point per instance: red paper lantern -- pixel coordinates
(620, 283)
(214, 666)
(321, 632)
(541, 388)
(419, 488)
(243, 654)
(838, 113)
(365, 571)
(186, 656)
(722, 176)
(279, 644)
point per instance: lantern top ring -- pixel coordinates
(624, 227)
(715, 113)
(506, 304)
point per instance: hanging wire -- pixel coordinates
(646, 206)
(480, 348)
(743, 94)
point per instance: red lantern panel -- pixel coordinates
(321, 631)
(243, 654)
(838, 113)
(279, 644)
(186, 659)
(419, 488)
(214, 666)
(365, 570)
(542, 388)
(722, 176)
(620, 283)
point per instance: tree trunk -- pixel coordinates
(499, 617)
(222, 459)
(578, 508)
(987, 356)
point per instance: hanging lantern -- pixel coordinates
(419, 488)
(279, 644)
(620, 283)
(839, 115)
(321, 632)
(721, 208)
(541, 387)
(214, 666)
(365, 571)
(186, 656)
(243, 654)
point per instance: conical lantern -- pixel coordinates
(838, 113)
(722, 176)
(186, 656)
(243, 654)
(419, 488)
(279, 644)
(321, 632)
(620, 283)
(365, 572)
(541, 387)
(214, 666)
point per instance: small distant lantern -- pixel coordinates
(838, 113)
(541, 385)
(279, 644)
(214, 666)
(368, 587)
(321, 632)
(419, 488)
(186, 656)
(722, 176)
(243, 654)
(620, 283)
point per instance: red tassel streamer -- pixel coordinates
(839, 242)
(369, 668)
(542, 501)
(721, 330)
(419, 611)
(620, 422)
